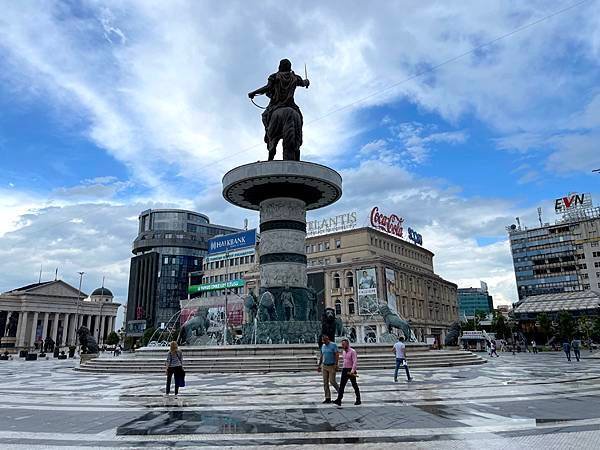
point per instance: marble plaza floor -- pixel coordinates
(521, 401)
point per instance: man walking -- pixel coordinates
(400, 351)
(534, 347)
(493, 350)
(328, 364)
(348, 373)
(567, 349)
(576, 346)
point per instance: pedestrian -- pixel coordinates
(576, 346)
(567, 349)
(534, 347)
(493, 350)
(348, 373)
(328, 365)
(400, 351)
(174, 366)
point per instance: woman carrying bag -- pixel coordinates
(174, 366)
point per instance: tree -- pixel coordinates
(596, 328)
(147, 335)
(584, 327)
(500, 326)
(545, 325)
(566, 325)
(113, 338)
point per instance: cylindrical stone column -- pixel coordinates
(55, 327)
(282, 239)
(22, 331)
(101, 333)
(45, 326)
(65, 333)
(32, 337)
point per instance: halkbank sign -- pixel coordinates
(230, 242)
(194, 289)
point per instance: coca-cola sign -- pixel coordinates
(390, 224)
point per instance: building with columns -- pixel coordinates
(35, 312)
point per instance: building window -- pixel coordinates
(321, 246)
(349, 279)
(338, 243)
(338, 308)
(308, 249)
(336, 280)
(351, 309)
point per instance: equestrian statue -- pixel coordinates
(282, 117)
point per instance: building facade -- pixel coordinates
(365, 267)
(474, 300)
(171, 244)
(236, 270)
(559, 257)
(50, 310)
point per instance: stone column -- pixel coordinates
(101, 330)
(88, 322)
(45, 326)
(65, 335)
(96, 331)
(73, 330)
(33, 330)
(22, 330)
(55, 327)
(282, 241)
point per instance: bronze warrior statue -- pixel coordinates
(282, 117)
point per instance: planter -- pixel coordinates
(23, 353)
(31, 357)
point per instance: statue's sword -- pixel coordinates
(305, 74)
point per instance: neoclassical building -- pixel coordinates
(50, 309)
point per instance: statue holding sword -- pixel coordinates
(282, 117)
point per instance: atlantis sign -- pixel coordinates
(341, 222)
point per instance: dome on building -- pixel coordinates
(102, 291)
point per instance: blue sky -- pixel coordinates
(109, 108)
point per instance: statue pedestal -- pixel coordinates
(84, 357)
(282, 191)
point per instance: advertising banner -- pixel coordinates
(367, 291)
(390, 288)
(229, 255)
(135, 328)
(230, 242)
(194, 289)
(216, 315)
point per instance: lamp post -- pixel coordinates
(225, 323)
(77, 310)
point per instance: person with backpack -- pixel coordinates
(174, 366)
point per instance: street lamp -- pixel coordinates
(77, 313)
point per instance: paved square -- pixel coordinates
(524, 401)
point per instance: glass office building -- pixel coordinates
(171, 244)
(474, 300)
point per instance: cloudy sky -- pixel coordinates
(458, 116)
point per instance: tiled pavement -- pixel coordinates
(522, 401)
